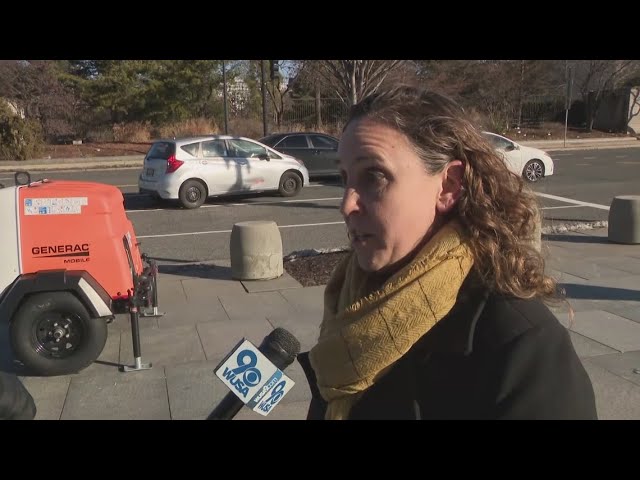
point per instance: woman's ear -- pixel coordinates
(451, 187)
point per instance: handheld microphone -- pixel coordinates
(279, 347)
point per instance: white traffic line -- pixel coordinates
(575, 202)
(582, 164)
(229, 231)
(621, 156)
(589, 158)
(251, 204)
(565, 206)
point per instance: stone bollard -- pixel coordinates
(256, 251)
(624, 219)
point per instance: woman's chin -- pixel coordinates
(368, 261)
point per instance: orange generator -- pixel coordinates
(71, 263)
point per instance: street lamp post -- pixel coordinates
(264, 99)
(224, 95)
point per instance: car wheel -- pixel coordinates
(533, 171)
(52, 333)
(290, 184)
(192, 194)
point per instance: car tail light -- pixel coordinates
(173, 164)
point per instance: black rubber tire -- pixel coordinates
(538, 166)
(192, 194)
(290, 184)
(89, 334)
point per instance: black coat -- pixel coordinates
(491, 357)
(16, 403)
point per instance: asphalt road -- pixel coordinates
(584, 183)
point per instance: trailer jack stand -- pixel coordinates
(135, 335)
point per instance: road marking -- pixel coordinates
(582, 164)
(272, 202)
(229, 231)
(566, 206)
(621, 156)
(124, 186)
(570, 200)
(627, 163)
(589, 158)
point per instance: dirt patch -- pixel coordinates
(314, 270)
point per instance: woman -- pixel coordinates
(438, 310)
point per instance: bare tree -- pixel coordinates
(352, 80)
(596, 77)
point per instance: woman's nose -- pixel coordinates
(350, 202)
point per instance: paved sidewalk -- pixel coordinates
(135, 161)
(207, 313)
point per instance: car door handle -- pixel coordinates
(316, 152)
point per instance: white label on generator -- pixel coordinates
(54, 206)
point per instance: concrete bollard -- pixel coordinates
(256, 251)
(624, 219)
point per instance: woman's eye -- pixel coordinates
(376, 176)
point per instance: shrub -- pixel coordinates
(186, 128)
(20, 139)
(134, 132)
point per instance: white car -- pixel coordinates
(194, 168)
(531, 163)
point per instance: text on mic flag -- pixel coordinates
(249, 374)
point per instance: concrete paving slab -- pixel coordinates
(621, 364)
(102, 398)
(254, 305)
(628, 264)
(601, 289)
(305, 331)
(584, 268)
(585, 347)
(109, 359)
(123, 323)
(194, 390)
(164, 347)
(219, 338)
(605, 328)
(197, 289)
(616, 398)
(197, 311)
(564, 277)
(49, 395)
(284, 411)
(625, 309)
(283, 282)
(309, 300)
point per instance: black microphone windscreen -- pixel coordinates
(284, 340)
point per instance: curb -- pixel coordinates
(135, 161)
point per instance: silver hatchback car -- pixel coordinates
(194, 168)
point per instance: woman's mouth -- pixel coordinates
(359, 238)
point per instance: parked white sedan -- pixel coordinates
(531, 163)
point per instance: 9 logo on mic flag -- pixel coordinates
(253, 378)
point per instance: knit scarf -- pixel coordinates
(362, 334)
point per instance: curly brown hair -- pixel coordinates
(499, 213)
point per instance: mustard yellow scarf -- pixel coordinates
(362, 334)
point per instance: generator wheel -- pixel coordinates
(52, 333)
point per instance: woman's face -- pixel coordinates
(390, 201)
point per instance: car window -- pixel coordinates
(498, 142)
(245, 149)
(162, 150)
(320, 141)
(191, 148)
(293, 141)
(214, 148)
